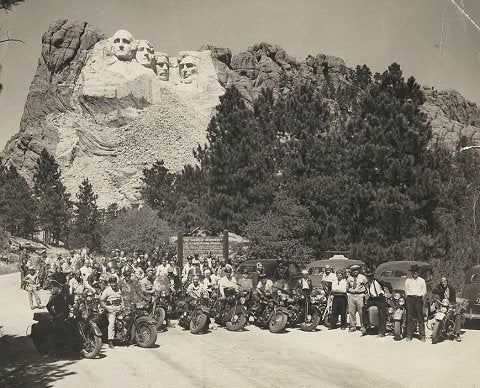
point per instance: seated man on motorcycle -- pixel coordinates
(58, 308)
(376, 297)
(227, 281)
(443, 290)
(111, 301)
(245, 283)
(77, 286)
(195, 288)
(305, 283)
(94, 280)
(146, 284)
(210, 283)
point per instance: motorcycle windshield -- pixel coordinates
(162, 283)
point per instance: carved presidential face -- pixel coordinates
(188, 69)
(123, 45)
(145, 54)
(163, 66)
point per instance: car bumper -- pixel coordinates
(470, 314)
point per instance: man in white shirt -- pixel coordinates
(195, 288)
(162, 268)
(86, 270)
(356, 295)
(415, 292)
(228, 281)
(339, 301)
(329, 275)
(186, 269)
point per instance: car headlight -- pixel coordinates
(401, 301)
(396, 296)
(390, 310)
(443, 309)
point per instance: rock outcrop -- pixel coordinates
(109, 107)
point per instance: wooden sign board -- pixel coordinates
(203, 246)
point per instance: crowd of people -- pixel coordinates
(122, 279)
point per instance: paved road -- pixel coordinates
(252, 358)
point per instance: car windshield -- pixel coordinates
(250, 267)
(293, 269)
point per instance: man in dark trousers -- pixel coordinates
(376, 290)
(415, 292)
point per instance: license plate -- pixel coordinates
(439, 316)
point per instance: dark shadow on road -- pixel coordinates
(22, 366)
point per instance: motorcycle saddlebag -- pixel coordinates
(41, 317)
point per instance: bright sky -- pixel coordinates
(375, 32)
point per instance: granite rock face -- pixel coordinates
(107, 108)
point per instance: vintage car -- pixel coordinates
(471, 291)
(316, 268)
(269, 266)
(395, 273)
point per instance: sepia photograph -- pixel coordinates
(240, 194)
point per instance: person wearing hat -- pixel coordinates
(305, 283)
(444, 290)
(227, 281)
(162, 268)
(415, 292)
(111, 300)
(376, 297)
(281, 272)
(77, 285)
(356, 295)
(339, 301)
(264, 285)
(31, 286)
(209, 282)
(175, 283)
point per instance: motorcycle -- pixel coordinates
(194, 313)
(232, 313)
(78, 332)
(305, 308)
(443, 321)
(396, 316)
(268, 312)
(133, 325)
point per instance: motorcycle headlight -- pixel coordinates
(283, 296)
(401, 301)
(89, 298)
(390, 310)
(163, 294)
(242, 300)
(120, 317)
(443, 309)
(396, 296)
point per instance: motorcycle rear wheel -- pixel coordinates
(198, 323)
(312, 323)
(277, 323)
(145, 334)
(237, 322)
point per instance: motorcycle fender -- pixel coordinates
(315, 310)
(96, 330)
(283, 310)
(145, 318)
(398, 315)
(439, 316)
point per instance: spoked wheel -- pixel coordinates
(237, 322)
(159, 316)
(277, 323)
(91, 343)
(311, 322)
(145, 334)
(198, 323)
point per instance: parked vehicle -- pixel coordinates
(396, 315)
(77, 333)
(269, 266)
(194, 313)
(232, 311)
(162, 306)
(133, 325)
(269, 313)
(316, 268)
(443, 321)
(396, 272)
(471, 292)
(306, 308)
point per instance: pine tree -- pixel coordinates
(54, 207)
(87, 216)
(17, 205)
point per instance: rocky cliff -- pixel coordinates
(109, 107)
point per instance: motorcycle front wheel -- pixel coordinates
(397, 330)
(91, 343)
(237, 322)
(145, 334)
(159, 316)
(436, 332)
(277, 323)
(198, 323)
(311, 323)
